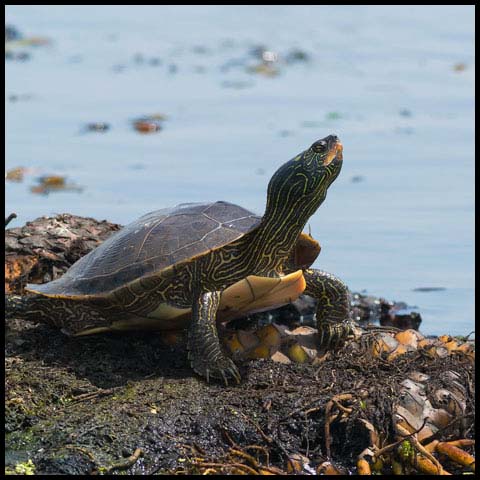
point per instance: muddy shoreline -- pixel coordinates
(129, 403)
(75, 406)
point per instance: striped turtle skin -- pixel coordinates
(197, 264)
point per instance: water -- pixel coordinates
(382, 78)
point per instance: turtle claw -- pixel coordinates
(222, 369)
(235, 374)
(226, 370)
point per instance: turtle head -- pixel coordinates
(300, 186)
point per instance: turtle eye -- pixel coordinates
(320, 147)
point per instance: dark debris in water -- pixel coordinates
(429, 289)
(54, 183)
(17, 56)
(149, 123)
(257, 59)
(405, 112)
(145, 126)
(16, 42)
(297, 55)
(20, 97)
(96, 127)
(459, 67)
(357, 178)
(16, 174)
(12, 33)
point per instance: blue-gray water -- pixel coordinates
(396, 83)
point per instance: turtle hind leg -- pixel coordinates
(72, 317)
(204, 351)
(35, 308)
(334, 320)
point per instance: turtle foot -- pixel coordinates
(217, 367)
(333, 334)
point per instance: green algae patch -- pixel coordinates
(26, 468)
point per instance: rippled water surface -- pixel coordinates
(395, 83)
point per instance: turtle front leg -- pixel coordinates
(334, 320)
(204, 351)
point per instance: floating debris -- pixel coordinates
(262, 53)
(296, 55)
(54, 183)
(260, 171)
(137, 166)
(269, 56)
(428, 289)
(155, 61)
(264, 69)
(145, 126)
(357, 179)
(15, 40)
(149, 123)
(12, 33)
(16, 174)
(19, 97)
(257, 51)
(160, 117)
(267, 59)
(459, 67)
(18, 56)
(285, 133)
(405, 112)
(97, 127)
(36, 41)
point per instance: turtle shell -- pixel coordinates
(150, 244)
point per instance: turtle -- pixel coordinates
(197, 265)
